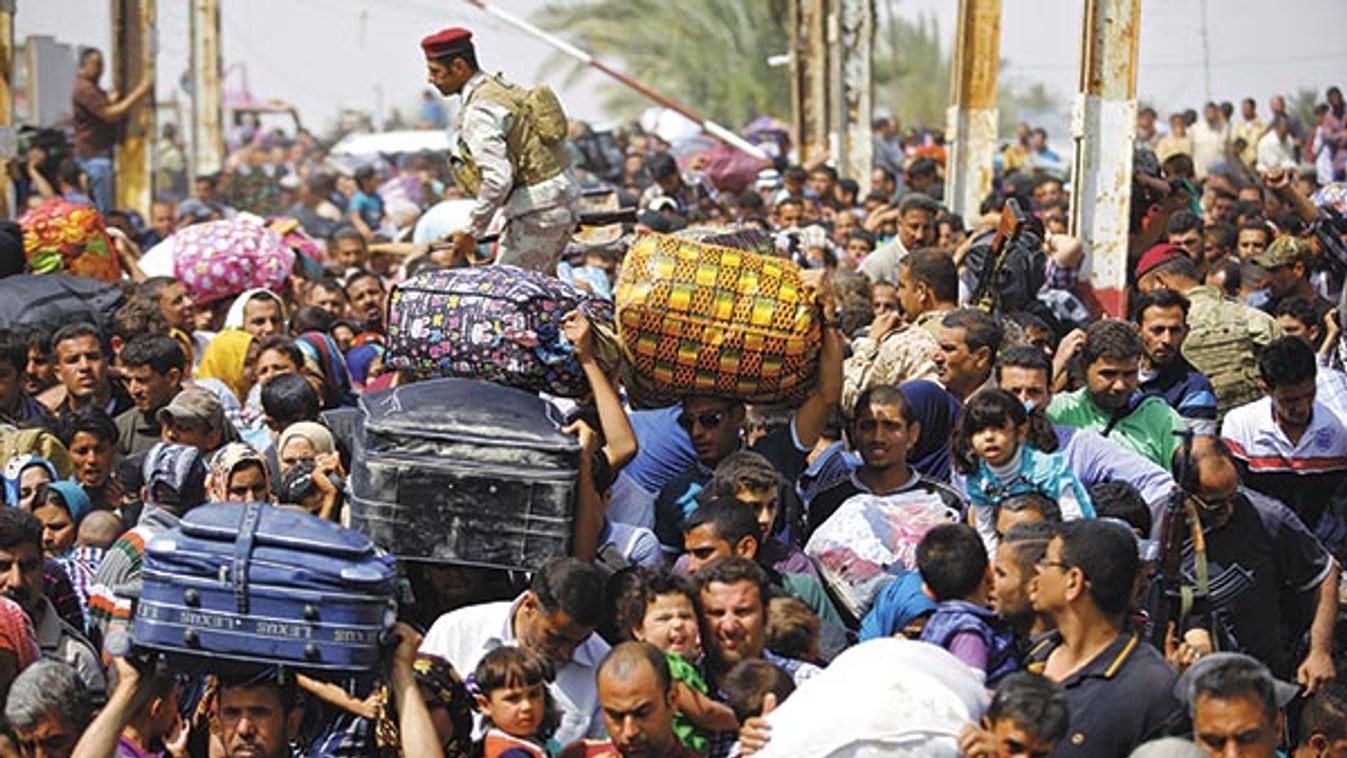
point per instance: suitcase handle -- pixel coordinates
(243, 553)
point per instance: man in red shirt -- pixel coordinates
(96, 115)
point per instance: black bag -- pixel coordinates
(254, 583)
(464, 471)
(52, 299)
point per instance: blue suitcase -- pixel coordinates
(260, 584)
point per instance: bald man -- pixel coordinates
(636, 695)
(1272, 564)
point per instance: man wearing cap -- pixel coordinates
(1234, 701)
(175, 483)
(510, 157)
(1224, 336)
(195, 417)
(1288, 275)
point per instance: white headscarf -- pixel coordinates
(234, 318)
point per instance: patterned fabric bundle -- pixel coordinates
(870, 540)
(219, 259)
(697, 319)
(60, 237)
(500, 324)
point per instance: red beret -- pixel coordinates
(445, 42)
(1157, 255)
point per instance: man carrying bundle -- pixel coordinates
(509, 156)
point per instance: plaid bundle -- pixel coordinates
(696, 319)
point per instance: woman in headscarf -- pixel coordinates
(303, 441)
(900, 608)
(238, 474)
(362, 361)
(935, 409)
(229, 360)
(24, 477)
(323, 358)
(61, 507)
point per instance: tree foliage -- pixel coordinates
(712, 55)
(708, 54)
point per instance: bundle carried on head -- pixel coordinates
(700, 319)
(61, 237)
(498, 323)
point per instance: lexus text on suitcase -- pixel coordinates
(259, 584)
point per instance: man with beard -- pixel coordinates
(365, 297)
(1162, 320)
(636, 693)
(21, 581)
(508, 158)
(1022, 546)
(554, 618)
(1110, 403)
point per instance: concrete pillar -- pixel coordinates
(971, 127)
(854, 48)
(8, 135)
(133, 41)
(809, 70)
(207, 118)
(1103, 128)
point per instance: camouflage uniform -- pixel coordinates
(539, 218)
(902, 355)
(1224, 337)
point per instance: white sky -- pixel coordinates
(326, 54)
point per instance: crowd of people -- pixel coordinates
(1105, 536)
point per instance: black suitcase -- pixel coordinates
(260, 584)
(464, 471)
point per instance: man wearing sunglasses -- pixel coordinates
(1267, 570)
(1119, 690)
(714, 426)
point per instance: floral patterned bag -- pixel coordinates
(500, 324)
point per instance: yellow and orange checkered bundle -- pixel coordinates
(697, 319)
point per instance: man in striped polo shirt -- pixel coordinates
(175, 483)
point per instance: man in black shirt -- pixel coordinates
(1272, 581)
(1119, 690)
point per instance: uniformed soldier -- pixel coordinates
(510, 156)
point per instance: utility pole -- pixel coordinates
(1104, 128)
(854, 24)
(810, 74)
(134, 49)
(972, 113)
(207, 135)
(7, 95)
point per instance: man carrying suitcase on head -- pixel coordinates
(510, 157)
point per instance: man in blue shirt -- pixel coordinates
(1162, 319)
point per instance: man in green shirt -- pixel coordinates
(1110, 403)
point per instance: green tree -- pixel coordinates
(708, 54)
